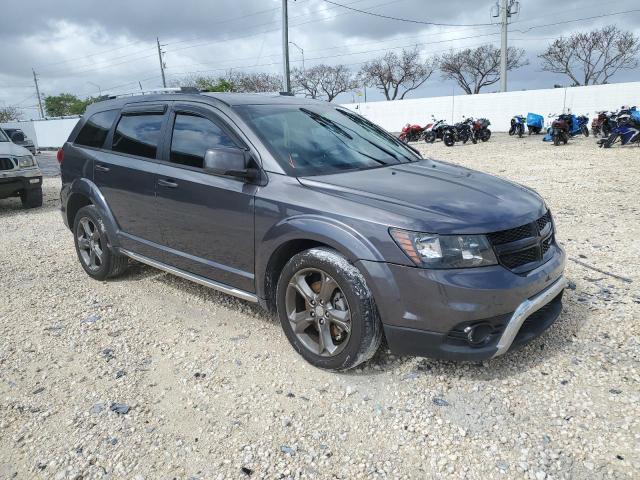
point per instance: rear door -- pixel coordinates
(126, 175)
(207, 219)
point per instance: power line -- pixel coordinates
(577, 20)
(408, 20)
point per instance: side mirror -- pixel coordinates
(229, 161)
(17, 137)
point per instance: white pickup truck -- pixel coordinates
(20, 175)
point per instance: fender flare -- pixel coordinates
(88, 189)
(309, 227)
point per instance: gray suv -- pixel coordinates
(20, 175)
(317, 214)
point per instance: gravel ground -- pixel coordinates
(149, 376)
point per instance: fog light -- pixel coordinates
(478, 334)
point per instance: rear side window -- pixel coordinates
(192, 137)
(138, 135)
(95, 131)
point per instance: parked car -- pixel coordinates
(20, 175)
(18, 137)
(317, 214)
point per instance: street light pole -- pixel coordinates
(285, 47)
(97, 86)
(301, 52)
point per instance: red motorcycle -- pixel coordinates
(601, 124)
(413, 133)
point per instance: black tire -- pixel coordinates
(111, 264)
(366, 329)
(585, 130)
(486, 135)
(32, 198)
(520, 132)
(556, 140)
(609, 141)
(430, 137)
(448, 140)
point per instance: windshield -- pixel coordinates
(317, 139)
(3, 137)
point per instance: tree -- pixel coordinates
(8, 114)
(397, 74)
(474, 68)
(592, 58)
(66, 104)
(255, 82)
(323, 81)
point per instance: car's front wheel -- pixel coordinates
(327, 311)
(93, 248)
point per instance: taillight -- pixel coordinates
(60, 156)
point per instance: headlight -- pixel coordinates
(445, 251)
(26, 161)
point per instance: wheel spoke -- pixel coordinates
(300, 320)
(85, 226)
(299, 282)
(341, 318)
(327, 288)
(325, 340)
(92, 258)
(83, 243)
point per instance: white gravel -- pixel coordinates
(213, 387)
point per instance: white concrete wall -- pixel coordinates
(500, 107)
(51, 133)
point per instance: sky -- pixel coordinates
(92, 47)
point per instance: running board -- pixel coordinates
(221, 287)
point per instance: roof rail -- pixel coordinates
(151, 92)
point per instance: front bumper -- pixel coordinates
(15, 182)
(425, 312)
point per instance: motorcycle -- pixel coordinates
(534, 123)
(603, 124)
(413, 133)
(517, 126)
(627, 130)
(436, 131)
(566, 126)
(480, 129)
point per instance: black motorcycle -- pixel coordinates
(436, 131)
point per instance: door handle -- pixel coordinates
(101, 168)
(167, 183)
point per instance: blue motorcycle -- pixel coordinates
(535, 123)
(517, 126)
(626, 131)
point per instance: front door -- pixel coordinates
(207, 219)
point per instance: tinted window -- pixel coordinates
(192, 137)
(138, 135)
(95, 131)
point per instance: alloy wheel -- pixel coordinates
(318, 312)
(90, 244)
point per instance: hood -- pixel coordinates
(10, 148)
(436, 197)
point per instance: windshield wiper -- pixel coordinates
(326, 122)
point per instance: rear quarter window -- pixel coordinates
(95, 130)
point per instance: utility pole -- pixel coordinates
(35, 80)
(285, 47)
(162, 65)
(506, 9)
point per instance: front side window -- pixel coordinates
(192, 137)
(321, 139)
(95, 131)
(3, 137)
(138, 135)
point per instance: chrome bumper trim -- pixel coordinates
(525, 309)
(221, 287)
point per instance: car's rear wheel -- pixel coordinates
(93, 247)
(327, 311)
(32, 198)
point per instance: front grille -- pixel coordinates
(6, 164)
(523, 248)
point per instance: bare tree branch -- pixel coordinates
(475, 68)
(323, 81)
(397, 74)
(8, 114)
(592, 58)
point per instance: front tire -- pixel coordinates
(32, 198)
(430, 137)
(448, 140)
(93, 247)
(327, 311)
(585, 130)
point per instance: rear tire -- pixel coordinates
(585, 131)
(556, 140)
(95, 253)
(32, 198)
(448, 140)
(486, 135)
(336, 287)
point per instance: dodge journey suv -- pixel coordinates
(317, 214)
